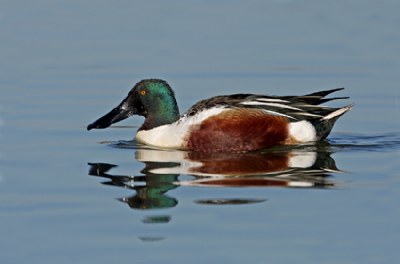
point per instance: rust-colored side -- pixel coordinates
(238, 130)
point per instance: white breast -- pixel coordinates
(173, 136)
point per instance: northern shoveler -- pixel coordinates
(225, 123)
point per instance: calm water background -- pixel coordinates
(65, 63)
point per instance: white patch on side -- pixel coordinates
(302, 160)
(302, 131)
(173, 136)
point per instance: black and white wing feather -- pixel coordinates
(296, 108)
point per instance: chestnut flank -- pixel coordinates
(238, 130)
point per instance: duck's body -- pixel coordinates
(230, 123)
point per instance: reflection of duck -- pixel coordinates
(282, 168)
(151, 195)
(229, 123)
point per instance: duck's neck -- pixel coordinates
(163, 111)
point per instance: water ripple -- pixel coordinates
(365, 142)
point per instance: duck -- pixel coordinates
(225, 123)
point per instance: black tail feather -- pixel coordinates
(325, 93)
(324, 100)
(316, 98)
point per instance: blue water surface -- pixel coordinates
(72, 196)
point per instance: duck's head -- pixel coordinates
(152, 98)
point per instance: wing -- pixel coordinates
(305, 107)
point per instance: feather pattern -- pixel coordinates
(296, 108)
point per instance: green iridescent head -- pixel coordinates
(152, 98)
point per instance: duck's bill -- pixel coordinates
(117, 114)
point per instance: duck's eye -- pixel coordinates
(142, 92)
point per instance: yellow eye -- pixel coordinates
(142, 92)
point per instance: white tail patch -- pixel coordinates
(338, 112)
(302, 131)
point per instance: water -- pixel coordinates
(68, 195)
